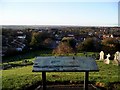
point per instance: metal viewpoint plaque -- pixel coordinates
(60, 63)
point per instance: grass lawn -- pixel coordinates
(23, 77)
(16, 61)
(32, 54)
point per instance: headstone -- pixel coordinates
(101, 55)
(107, 61)
(116, 60)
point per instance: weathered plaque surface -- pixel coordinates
(60, 63)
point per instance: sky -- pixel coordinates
(58, 13)
(119, 13)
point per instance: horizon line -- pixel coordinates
(61, 25)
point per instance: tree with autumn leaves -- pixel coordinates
(110, 45)
(65, 47)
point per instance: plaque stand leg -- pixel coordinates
(44, 80)
(86, 77)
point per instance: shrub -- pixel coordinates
(63, 49)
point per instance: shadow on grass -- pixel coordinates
(65, 85)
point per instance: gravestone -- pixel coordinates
(107, 61)
(101, 55)
(116, 60)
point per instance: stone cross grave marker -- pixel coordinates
(107, 61)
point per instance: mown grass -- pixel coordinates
(19, 78)
(32, 54)
(23, 77)
(18, 60)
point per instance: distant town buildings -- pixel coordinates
(18, 39)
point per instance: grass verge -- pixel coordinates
(23, 77)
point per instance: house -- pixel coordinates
(108, 36)
(19, 32)
(81, 37)
(21, 37)
(18, 49)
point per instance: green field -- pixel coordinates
(22, 77)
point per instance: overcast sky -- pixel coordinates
(59, 13)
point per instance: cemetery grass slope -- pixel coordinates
(23, 77)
